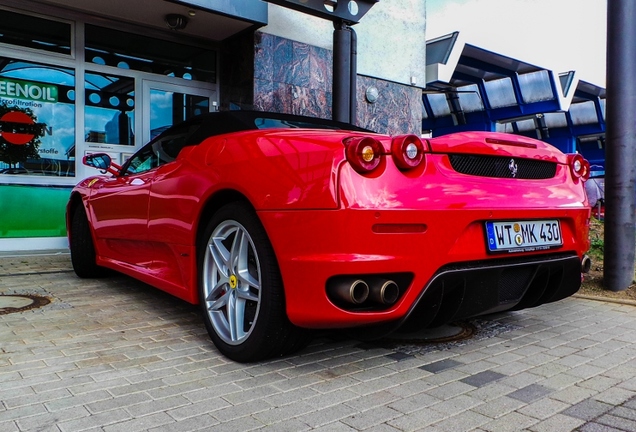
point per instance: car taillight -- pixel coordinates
(407, 151)
(579, 165)
(364, 153)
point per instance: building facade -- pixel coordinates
(78, 77)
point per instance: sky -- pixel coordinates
(561, 35)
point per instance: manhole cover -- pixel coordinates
(21, 302)
(447, 333)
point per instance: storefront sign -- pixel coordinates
(28, 90)
(19, 134)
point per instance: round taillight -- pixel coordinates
(579, 166)
(364, 153)
(407, 151)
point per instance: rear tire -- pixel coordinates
(82, 247)
(241, 290)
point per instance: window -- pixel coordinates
(555, 120)
(38, 138)
(37, 104)
(110, 107)
(536, 86)
(439, 104)
(469, 98)
(168, 108)
(500, 93)
(132, 51)
(33, 32)
(162, 150)
(584, 113)
(142, 161)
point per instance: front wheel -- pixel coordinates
(241, 290)
(82, 247)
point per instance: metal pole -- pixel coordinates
(620, 151)
(353, 84)
(341, 72)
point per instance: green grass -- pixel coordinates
(597, 246)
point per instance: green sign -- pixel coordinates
(28, 90)
(32, 211)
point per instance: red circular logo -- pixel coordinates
(19, 118)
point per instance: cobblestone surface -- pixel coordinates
(113, 354)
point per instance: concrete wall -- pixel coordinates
(391, 38)
(296, 77)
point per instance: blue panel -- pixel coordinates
(566, 143)
(541, 107)
(589, 129)
(477, 121)
(439, 131)
(593, 150)
(248, 10)
(489, 67)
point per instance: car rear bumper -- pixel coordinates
(440, 255)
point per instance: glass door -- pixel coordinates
(168, 104)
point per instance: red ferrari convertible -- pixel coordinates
(276, 224)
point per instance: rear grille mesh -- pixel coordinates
(502, 167)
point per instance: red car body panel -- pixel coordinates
(453, 215)
(325, 219)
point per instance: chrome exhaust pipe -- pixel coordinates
(586, 264)
(384, 291)
(350, 290)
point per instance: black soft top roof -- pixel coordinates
(222, 122)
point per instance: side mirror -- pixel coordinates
(102, 162)
(98, 160)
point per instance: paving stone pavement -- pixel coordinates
(116, 355)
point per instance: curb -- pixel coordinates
(605, 299)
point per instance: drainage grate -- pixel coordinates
(21, 302)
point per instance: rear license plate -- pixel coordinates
(523, 236)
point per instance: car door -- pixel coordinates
(173, 204)
(173, 199)
(119, 209)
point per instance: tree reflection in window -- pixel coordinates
(46, 94)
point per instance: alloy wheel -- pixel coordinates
(232, 282)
